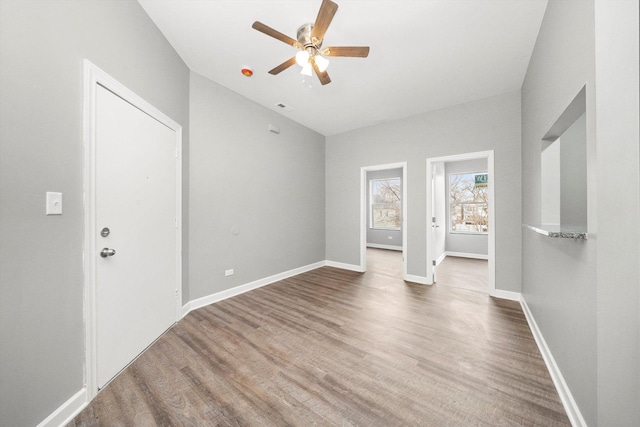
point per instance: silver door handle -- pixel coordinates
(107, 252)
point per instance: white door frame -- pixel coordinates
(363, 212)
(94, 77)
(492, 223)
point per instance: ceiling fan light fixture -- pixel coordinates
(322, 63)
(310, 38)
(302, 58)
(306, 69)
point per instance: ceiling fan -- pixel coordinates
(309, 41)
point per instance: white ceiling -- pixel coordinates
(425, 54)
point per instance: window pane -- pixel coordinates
(386, 215)
(468, 203)
(470, 218)
(386, 204)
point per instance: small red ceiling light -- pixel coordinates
(246, 71)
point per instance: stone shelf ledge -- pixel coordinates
(558, 232)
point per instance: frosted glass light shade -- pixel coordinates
(302, 58)
(322, 63)
(306, 69)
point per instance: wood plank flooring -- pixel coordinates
(337, 348)
(465, 273)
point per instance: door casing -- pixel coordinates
(94, 77)
(363, 213)
(492, 223)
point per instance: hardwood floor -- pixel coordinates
(465, 273)
(338, 348)
(385, 262)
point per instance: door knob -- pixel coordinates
(107, 252)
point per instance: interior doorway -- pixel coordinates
(132, 226)
(383, 216)
(459, 229)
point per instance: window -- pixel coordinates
(386, 204)
(468, 204)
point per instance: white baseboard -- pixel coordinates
(441, 258)
(344, 266)
(228, 293)
(570, 405)
(510, 295)
(67, 411)
(380, 246)
(416, 279)
(466, 255)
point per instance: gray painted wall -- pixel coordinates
(573, 176)
(477, 244)
(489, 124)
(581, 292)
(559, 276)
(42, 45)
(381, 237)
(270, 186)
(618, 231)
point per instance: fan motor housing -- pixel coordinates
(304, 36)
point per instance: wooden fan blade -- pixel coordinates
(286, 64)
(325, 15)
(274, 33)
(322, 75)
(352, 51)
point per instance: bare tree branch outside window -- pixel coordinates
(386, 203)
(469, 207)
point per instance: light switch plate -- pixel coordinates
(54, 203)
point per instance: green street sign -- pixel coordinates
(481, 180)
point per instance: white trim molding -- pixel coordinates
(416, 279)
(344, 266)
(388, 247)
(228, 293)
(569, 403)
(510, 295)
(67, 411)
(466, 255)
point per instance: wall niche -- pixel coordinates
(563, 173)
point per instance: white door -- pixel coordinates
(438, 213)
(136, 199)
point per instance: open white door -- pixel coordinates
(438, 215)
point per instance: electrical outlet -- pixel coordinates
(228, 272)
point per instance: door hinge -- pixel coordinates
(176, 294)
(433, 262)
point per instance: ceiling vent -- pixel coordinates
(283, 107)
